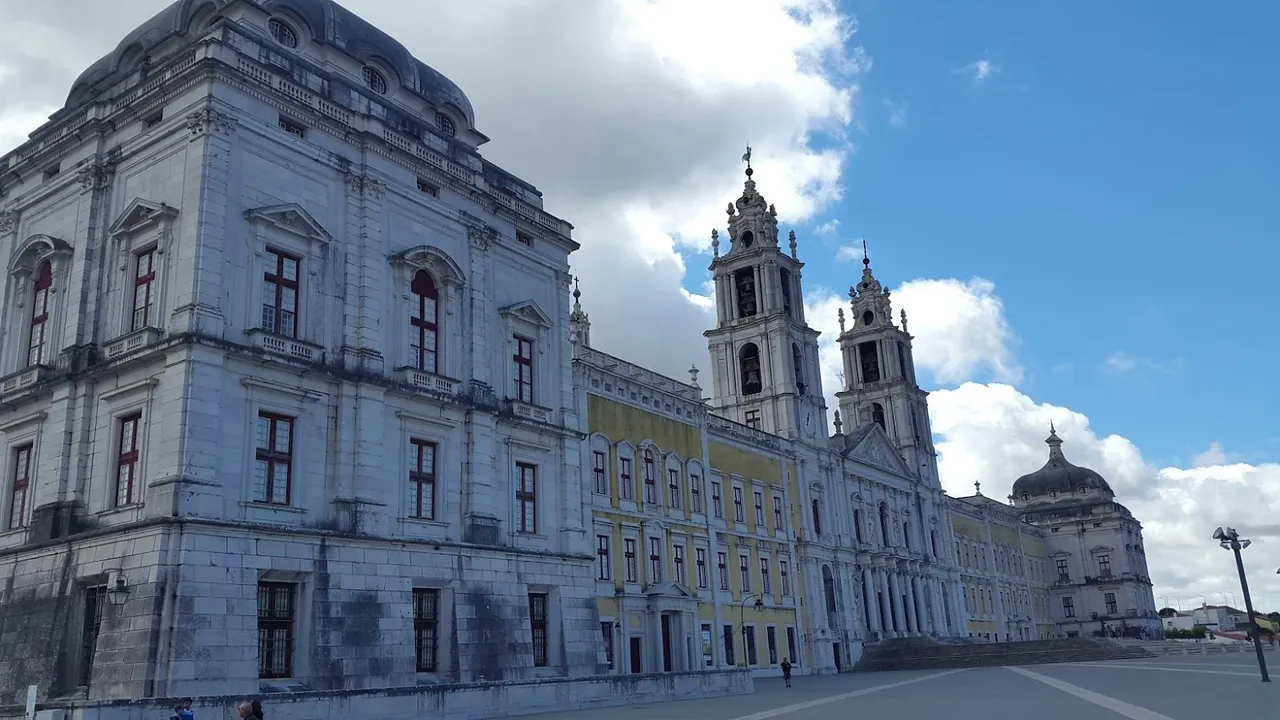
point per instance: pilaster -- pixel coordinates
(210, 187)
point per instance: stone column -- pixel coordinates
(873, 607)
(887, 605)
(908, 587)
(895, 589)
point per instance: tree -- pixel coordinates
(1274, 617)
(1168, 612)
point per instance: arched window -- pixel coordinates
(749, 367)
(829, 588)
(282, 33)
(650, 479)
(374, 79)
(424, 323)
(744, 284)
(906, 535)
(857, 524)
(877, 415)
(884, 525)
(797, 360)
(39, 334)
(444, 124)
(902, 360)
(817, 516)
(747, 239)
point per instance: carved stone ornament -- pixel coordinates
(8, 221)
(96, 175)
(365, 186)
(481, 236)
(209, 120)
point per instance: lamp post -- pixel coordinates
(1230, 540)
(742, 621)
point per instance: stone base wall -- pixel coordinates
(477, 701)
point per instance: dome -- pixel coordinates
(326, 22)
(1059, 478)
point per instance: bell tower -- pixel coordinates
(764, 357)
(880, 374)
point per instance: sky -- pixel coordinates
(1066, 199)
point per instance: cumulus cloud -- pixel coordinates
(979, 70)
(827, 228)
(849, 253)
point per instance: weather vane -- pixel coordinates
(746, 157)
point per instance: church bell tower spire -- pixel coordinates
(764, 355)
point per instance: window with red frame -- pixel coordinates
(527, 498)
(629, 558)
(722, 569)
(598, 461)
(655, 560)
(422, 479)
(39, 331)
(604, 569)
(677, 562)
(695, 493)
(424, 323)
(273, 478)
(766, 585)
(628, 489)
(744, 568)
(784, 574)
(673, 482)
(524, 369)
(144, 280)
(20, 485)
(650, 479)
(127, 460)
(280, 294)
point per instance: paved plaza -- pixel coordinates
(1176, 688)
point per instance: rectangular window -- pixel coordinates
(673, 486)
(523, 359)
(722, 567)
(428, 188)
(817, 520)
(791, 646)
(1064, 574)
(603, 570)
(276, 618)
(655, 560)
(39, 329)
(744, 570)
(766, 585)
(95, 599)
(422, 479)
(728, 645)
(1104, 565)
(524, 239)
(784, 575)
(538, 625)
(280, 294)
(20, 486)
(628, 489)
(870, 362)
(629, 559)
(677, 560)
(739, 512)
(1068, 607)
(1111, 603)
(650, 479)
(778, 525)
(749, 639)
(598, 472)
(424, 322)
(426, 629)
(695, 493)
(752, 419)
(144, 280)
(527, 498)
(717, 505)
(291, 127)
(700, 556)
(127, 460)
(273, 481)
(771, 638)
(606, 632)
(759, 503)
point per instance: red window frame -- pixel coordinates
(523, 358)
(527, 498)
(38, 332)
(722, 567)
(19, 490)
(277, 288)
(717, 502)
(422, 479)
(778, 525)
(629, 558)
(604, 569)
(655, 560)
(598, 471)
(695, 493)
(677, 562)
(628, 489)
(276, 457)
(700, 559)
(673, 481)
(650, 479)
(744, 567)
(739, 511)
(424, 323)
(766, 586)
(127, 457)
(143, 285)
(759, 501)
(784, 575)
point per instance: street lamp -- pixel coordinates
(1230, 540)
(742, 621)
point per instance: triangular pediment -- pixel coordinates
(139, 215)
(528, 311)
(290, 217)
(1103, 549)
(669, 589)
(875, 448)
(1061, 554)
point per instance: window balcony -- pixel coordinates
(428, 382)
(529, 411)
(285, 346)
(131, 343)
(24, 379)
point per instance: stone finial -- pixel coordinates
(715, 242)
(977, 487)
(693, 376)
(840, 317)
(903, 315)
(730, 210)
(839, 424)
(792, 237)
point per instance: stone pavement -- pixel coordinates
(1174, 688)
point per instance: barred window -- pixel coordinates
(426, 628)
(276, 618)
(538, 624)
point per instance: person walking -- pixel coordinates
(786, 671)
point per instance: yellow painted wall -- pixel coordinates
(618, 421)
(1004, 535)
(968, 527)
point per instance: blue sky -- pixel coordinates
(1112, 179)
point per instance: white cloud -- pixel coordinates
(960, 330)
(897, 110)
(1120, 363)
(827, 228)
(979, 70)
(849, 253)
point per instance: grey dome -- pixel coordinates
(326, 22)
(1059, 477)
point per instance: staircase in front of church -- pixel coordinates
(928, 654)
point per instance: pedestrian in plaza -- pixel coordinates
(256, 706)
(786, 671)
(244, 710)
(177, 713)
(187, 713)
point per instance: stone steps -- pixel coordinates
(918, 656)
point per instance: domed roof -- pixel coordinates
(326, 21)
(1059, 477)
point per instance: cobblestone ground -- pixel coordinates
(1180, 688)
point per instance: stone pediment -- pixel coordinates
(668, 589)
(1102, 549)
(875, 448)
(290, 217)
(139, 215)
(528, 311)
(1061, 554)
